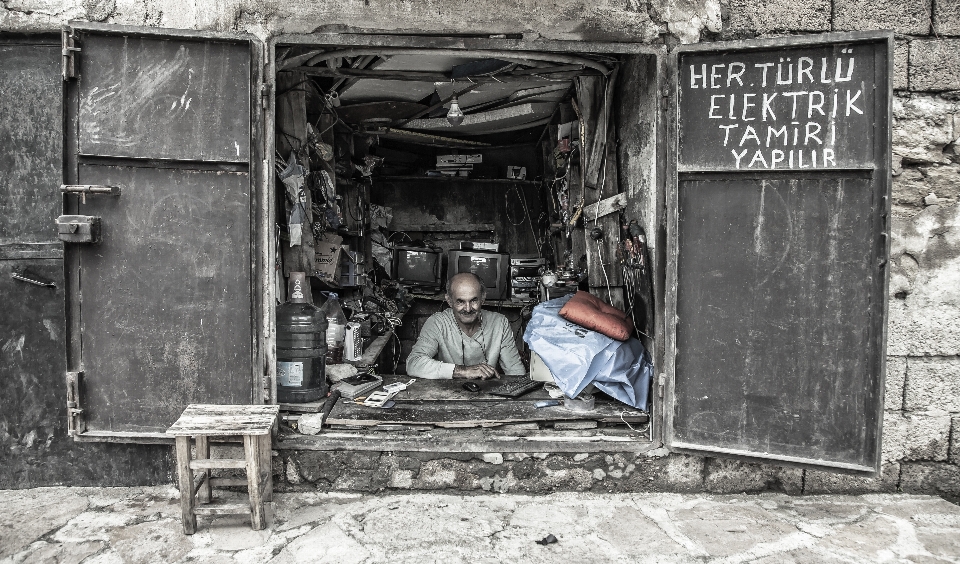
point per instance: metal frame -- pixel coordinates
(453, 43)
(259, 295)
(882, 175)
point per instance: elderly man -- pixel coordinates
(464, 341)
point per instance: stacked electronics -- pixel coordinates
(455, 165)
(525, 278)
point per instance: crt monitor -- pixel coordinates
(492, 268)
(417, 266)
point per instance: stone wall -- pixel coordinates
(921, 449)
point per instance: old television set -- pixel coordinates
(417, 267)
(492, 268)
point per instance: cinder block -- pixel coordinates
(915, 437)
(437, 474)
(926, 322)
(916, 183)
(934, 65)
(946, 17)
(734, 476)
(907, 16)
(933, 384)
(901, 64)
(923, 126)
(820, 482)
(893, 392)
(937, 478)
(661, 472)
(747, 17)
(909, 188)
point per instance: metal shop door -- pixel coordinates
(777, 250)
(161, 306)
(31, 257)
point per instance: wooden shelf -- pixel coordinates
(456, 179)
(444, 227)
(491, 305)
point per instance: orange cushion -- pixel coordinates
(591, 312)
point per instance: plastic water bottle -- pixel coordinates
(336, 329)
(301, 346)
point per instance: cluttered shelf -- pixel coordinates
(489, 304)
(458, 179)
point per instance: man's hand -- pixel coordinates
(475, 372)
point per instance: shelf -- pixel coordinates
(491, 305)
(456, 179)
(444, 227)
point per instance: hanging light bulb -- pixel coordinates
(455, 115)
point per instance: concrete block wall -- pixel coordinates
(921, 449)
(923, 363)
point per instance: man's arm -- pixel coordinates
(421, 362)
(509, 355)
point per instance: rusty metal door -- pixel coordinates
(162, 308)
(777, 250)
(31, 259)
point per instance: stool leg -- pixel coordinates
(251, 449)
(185, 476)
(203, 452)
(266, 465)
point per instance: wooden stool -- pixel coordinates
(255, 424)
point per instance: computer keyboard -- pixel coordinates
(515, 388)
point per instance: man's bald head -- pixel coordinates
(457, 280)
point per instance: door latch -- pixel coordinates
(79, 229)
(84, 189)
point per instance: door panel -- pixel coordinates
(32, 335)
(777, 248)
(31, 130)
(793, 102)
(163, 307)
(783, 310)
(166, 295)
(31, 358)
(149, 97)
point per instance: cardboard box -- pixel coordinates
(326, 264)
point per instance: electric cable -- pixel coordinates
(640, 430)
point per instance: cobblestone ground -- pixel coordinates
(112, 525)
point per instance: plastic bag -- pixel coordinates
(578, 356)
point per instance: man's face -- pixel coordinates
(465, 299)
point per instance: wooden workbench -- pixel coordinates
(445, 404)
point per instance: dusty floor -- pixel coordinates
(110, 525)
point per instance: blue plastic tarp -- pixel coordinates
(577, 356)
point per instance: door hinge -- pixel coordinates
(264, 95)
(661, 382)
(69, 51)
(75, 422)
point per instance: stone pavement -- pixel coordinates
(113, 525)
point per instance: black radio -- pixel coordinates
(525, 271)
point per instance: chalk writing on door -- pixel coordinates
(795, 110)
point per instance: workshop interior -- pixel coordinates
(397, 168)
